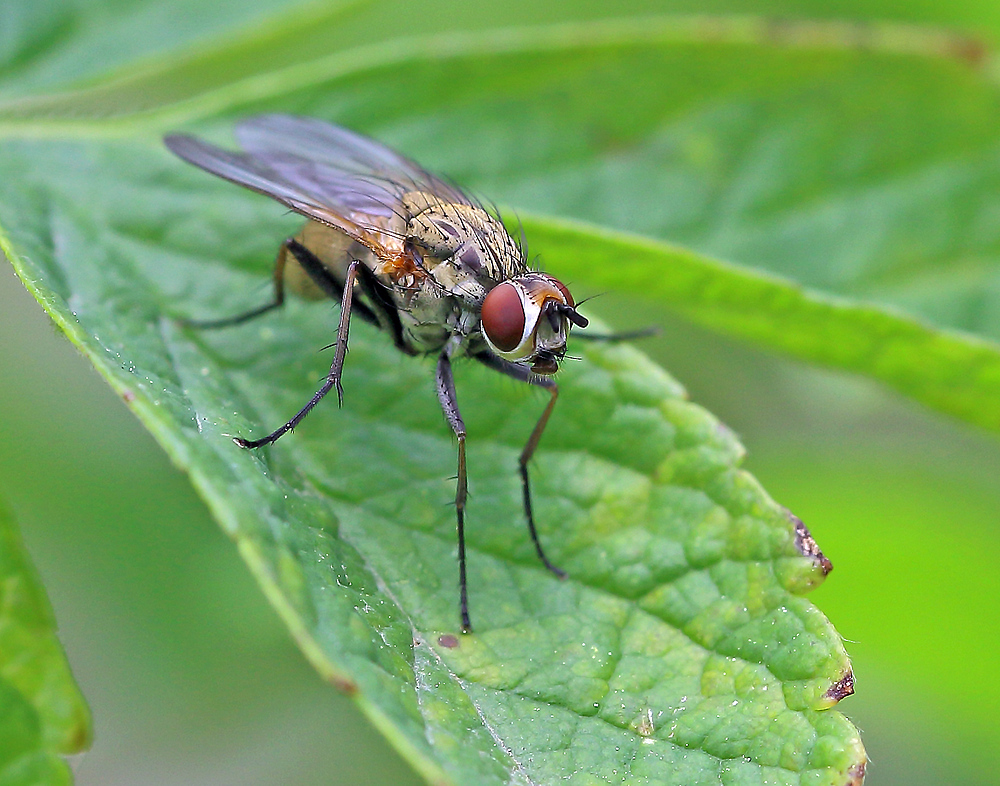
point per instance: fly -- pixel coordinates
(408, 252)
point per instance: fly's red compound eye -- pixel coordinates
(503, 317)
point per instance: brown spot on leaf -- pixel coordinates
(808, 547)
(79, 739)
(857, 773)
(448, 641)
(842, 688)
(129, 396)
(344, 685)
(972, 51)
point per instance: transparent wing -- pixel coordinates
(362, 206)
(357, 159)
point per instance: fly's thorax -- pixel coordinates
(527, 320)
(430, 318)
(465, 236)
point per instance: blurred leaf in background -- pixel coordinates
(42, 714)
(856, 160)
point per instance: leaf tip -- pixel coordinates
(841, 689)
(856, 774)
(806, 545)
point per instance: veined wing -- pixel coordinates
(343, 151)
(364, 209)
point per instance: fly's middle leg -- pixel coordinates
(526, 454)
(449, 404)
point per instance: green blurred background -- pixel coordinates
(192, 679)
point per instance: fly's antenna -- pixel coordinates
(572, 315)
(553, 309)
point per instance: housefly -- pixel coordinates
(408, 252)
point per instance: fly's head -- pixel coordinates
(527, 320)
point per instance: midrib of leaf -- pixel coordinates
(128, 101)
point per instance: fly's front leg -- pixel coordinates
(526, 454)
(333, 378)
(524, 375)
(628, 335)
(449, 403)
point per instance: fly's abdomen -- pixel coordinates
(333, 249)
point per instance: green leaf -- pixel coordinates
(680, 648)
(42, 714)
(954, 372)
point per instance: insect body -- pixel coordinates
(406, 251)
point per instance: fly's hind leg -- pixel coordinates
(278, 278)
(524, 375)
(317, 272)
